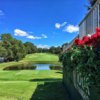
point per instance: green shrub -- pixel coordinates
(55, 67)
(86, 60)
(20, 67)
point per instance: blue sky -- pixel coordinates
(43, 22)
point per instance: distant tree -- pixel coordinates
(6, 36)
(30, 47)
(58, 50)
(52, 50)
(39, 50)
(55, 50)
(18, 49)
(3, 52)
(45, 50)
(15, 49)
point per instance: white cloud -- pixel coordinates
(71, 29)
(58, 25)
(30, 37)
(44, 36)
(63, 24)
(43, 46)
(33, 37)
(1, 13)
(18, 32)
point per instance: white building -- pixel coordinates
(91, 21)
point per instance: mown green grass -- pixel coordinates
(28, 75)
(31, 85)
(34, 58)
(16, 90)
(41, 57)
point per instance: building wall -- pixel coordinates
(90, 22)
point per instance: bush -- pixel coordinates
(20, 67)
(55, 67)
(84, 56)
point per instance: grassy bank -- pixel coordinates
(34, 58)
(32, 85)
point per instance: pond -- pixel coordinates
(34, 67)
(42, 66)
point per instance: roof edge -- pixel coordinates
(97, 2)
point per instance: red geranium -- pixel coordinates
(93, 40)
(97, 30)
(98, 34)
(76, 41)
(94, 37)
(79, 42)
(86, 39)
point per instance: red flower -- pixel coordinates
(98, 34)
(97, 30)
(80, 42)
(76, 41)
(94, 37)
(86, 39)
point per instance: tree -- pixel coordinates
(3, 52)
(39, 50)
(58, 50)
(30, 47)
(55, 50)
(15, 49)
(18, 49)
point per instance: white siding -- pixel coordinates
(82, 29)
(91, 22)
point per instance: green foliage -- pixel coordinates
(3, 52)
(55, 50)
(30, 47)
(21, 67)
(52, 50)
(55, 67)
(14, 49)
(86, 60)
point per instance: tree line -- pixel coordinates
(12, 49)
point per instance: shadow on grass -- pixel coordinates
(59, 72)
(50, 91)
(46, 80)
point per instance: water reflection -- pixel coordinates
(42, 66)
